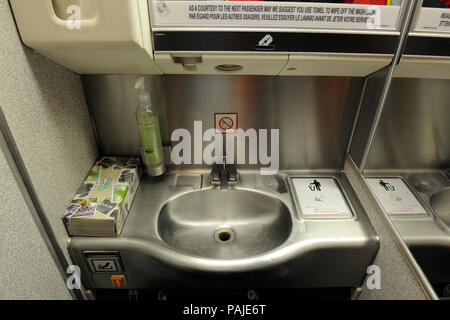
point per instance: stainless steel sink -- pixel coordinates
(440, 202)
(184, 233)
(428, 237)
(228, 224)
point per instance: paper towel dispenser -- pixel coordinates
(89, 36)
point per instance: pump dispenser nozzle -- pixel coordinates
(143, 95)
(140, 83)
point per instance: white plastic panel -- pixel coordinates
(395, 197)
(433, 20)
(320, 198)
(284, 14)
(423, 67)
(252, 64)
(334, 65)
(89, 36)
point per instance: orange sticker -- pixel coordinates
(118, 281)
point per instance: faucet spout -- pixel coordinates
(223, 178)
(224, 175)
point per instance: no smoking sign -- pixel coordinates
(226, 122)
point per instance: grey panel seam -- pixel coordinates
(22, 177)
(91, 117)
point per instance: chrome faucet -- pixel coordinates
(224, 175)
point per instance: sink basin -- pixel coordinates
(440, 202)
(247, 236)
(229, 224)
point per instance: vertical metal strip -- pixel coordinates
(31, 198)
(358, 111)
(400, 47)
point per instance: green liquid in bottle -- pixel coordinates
(152, 152)
(148, 127)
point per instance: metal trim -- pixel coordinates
(436, 58)
(324, 54)
(157, 28)
(25, 184)
(424, 34)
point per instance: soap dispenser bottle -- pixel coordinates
(148, 127)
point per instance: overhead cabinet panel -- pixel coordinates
(252, 64)
(182, 27)
(89, 36)
(423, 67)
(334, 65)
(334, 38)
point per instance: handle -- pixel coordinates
(228, 67)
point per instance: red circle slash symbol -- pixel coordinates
(226, 123)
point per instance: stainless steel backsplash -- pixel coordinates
(314, 114)
(414, 130)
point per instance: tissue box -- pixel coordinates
(104, 199)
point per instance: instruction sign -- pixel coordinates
(279, 14)
(394, 196)
(433, 20)
(320, 197)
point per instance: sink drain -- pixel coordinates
(224, 235)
